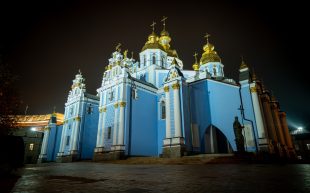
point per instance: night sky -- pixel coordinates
(46, 42)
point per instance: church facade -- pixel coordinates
(154, 107)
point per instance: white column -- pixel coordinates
(72, 135)
(45, 142)
(258, 113)
(104, 110)
(62, 140)
(121, 123)
(177, 110)
(76, 133)
(168, 127)
(115, 124)
(98, 142)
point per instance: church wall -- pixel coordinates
(89, 125)
(161, 123)
(53, 142)
(200, 111)
(224, 107)
(185, 115)
(143, 134)
(249, 114)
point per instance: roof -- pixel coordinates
(38, 120)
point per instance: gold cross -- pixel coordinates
(195, 55)
(207, 37)
(153, 26)
(164, 21)
(117, 48)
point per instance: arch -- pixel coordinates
(215, 141)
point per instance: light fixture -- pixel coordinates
(33, 129)
(299, 128)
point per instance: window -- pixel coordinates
(71, 110)
(162, 62)
(163, 110)
(89, 109)
(154, 59)
(68, 140)
(31, 145)
(144, 61)
(109, 132)
(134, 93)
(111, 95)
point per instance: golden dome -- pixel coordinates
(164, 33)
(209, 54)
(153, 43)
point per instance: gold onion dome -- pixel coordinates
(209, 54)
(153, 41)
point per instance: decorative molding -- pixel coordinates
(115, 105)
(166, 88)
(104, 109)
(253, 89)
(122, 104)
(176, 86)
(77, 118)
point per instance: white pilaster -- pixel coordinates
(100, 128)
(45, 142)
(168, 127)
(121, 123)
(62, 140)
(115, 118)
(257, 112)
(177, 110)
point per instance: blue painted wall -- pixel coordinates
(144, 125)
(89, 126)
(200, 109)
(53, 142)
(224, 105)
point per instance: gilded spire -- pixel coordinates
(196, 65)
(243, 64)
(209, 54)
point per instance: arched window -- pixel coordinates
(163, 110)
(162, 62)
(154, 59)
(144, 61)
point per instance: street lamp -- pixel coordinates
(299, 129)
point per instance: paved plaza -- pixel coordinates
(207, 178)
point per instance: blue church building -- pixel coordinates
(154, 107)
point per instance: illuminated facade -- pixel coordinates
(153, 107)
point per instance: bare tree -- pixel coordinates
(9, 100)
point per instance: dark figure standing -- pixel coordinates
(238, 136)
